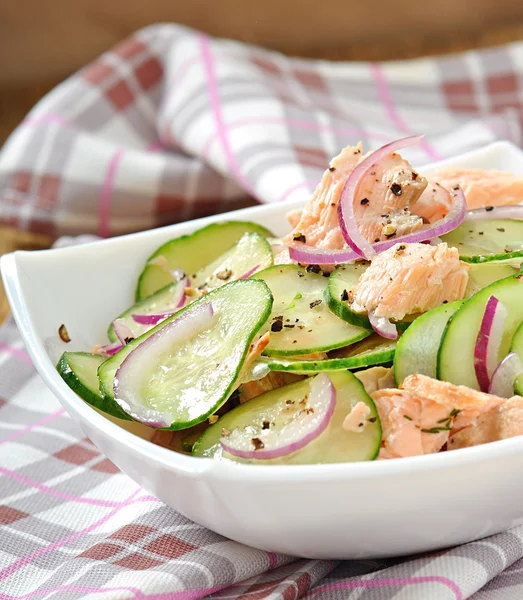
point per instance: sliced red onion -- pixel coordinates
(505, 375)
(122, 331)
(346, 218)
(249, 272)
(280, 441)
(110, 349)
(382, 326)
(151, 319)
(488, 341)
(141, 362)
(314, 256)
(496, 212)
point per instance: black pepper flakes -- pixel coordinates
(315, 303)
(489, 208)
(395, 188)
(344, 296)
(481, 232)
(277, 324)
(300, 274)
(364, 201)
(299, 237)
(313, 269)
(64, 334)
(372, 419)
(331, 169)
(266, 424)
(414, 175)
(290, 326)
(128, 340)
(502, 229)
(257, 443)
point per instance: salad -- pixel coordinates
(388, 323)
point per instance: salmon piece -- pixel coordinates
(419, 417)
(294, 217)
(470, 403)
(381, 207)
(376, 378)
(502, 422)
(434, 204)
(409, 279)
(482, 187)
(357, 418)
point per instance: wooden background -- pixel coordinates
(41, 43)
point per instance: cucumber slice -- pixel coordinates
(517, 347)
(341, 281)
(79, 371)
(334, 445)
(483, 274)
(252, 251)
(456, 352)
(482, 241)
(191, 253)
(157, 303)
(198, 375)
(371, 351)
(301, 322)
(417, 349)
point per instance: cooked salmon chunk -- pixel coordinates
(419, 417)
(381, 207)
(434, 204)
(409, 279)
(483, 187)
(502, 422)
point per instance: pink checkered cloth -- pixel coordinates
(168, 126)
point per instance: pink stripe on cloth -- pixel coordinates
(273, 560)
(386, 99)
(297, 124)
(41, 487)
(42, 421)
(388, 582)
(22, 562)
(107, 192)
(214, 100)
(21, 354)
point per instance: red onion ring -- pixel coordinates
(315, 256)
(137, 365)
(505, 375)
(293, 436)
(346, 218)
(488, 342)
(382, 326)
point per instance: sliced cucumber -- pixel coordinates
(417, 349)
(482, 241)
(483, 274)
(252, 251)
(456, 352)
(301, 322)
(517, 347)
(157, 303)
(198, 375)
(371, 351)
(341, 281)
(79, 371)
(191, 253)
(334, 445)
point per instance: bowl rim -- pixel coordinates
(209, 468)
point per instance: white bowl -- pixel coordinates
(336, 511)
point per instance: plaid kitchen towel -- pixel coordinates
(168, 126)
(171, 125)
(73, 527)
